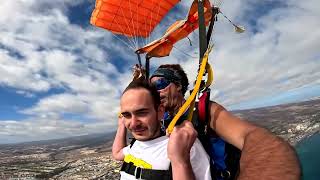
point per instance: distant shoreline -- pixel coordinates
(306, 137)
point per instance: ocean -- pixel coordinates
(309, 154)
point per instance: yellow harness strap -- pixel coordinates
(191, 98)
(210, 75)
(137, 162)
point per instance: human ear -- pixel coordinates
(179, 87)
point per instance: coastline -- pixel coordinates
(305, 137)
(296, 137)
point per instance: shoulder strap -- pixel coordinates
(132, 142)
(224, 158)
(203, 106)
(201, 115)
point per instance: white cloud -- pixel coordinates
(48, 128)
(41, 50)
(279, 57)
(63, 103)
(280, 53)
(15, 73)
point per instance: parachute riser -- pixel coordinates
(204, 40)
(205, 36)
(139, 59)
(202, 30)
(215, 12)
(147, 66)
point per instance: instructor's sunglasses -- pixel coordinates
(161, 83)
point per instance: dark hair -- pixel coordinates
(142, 83)
(183, 79)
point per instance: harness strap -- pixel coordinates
(132, 142)
(148, 174)
(194, 92)
(203, 106)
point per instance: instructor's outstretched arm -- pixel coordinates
(264, 155)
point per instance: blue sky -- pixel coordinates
(61, 77)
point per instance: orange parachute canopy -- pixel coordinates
(177, 31)
(133, 18)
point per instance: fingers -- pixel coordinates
(180, 142)
(121, 121)
(184, 126)
(187, 127)
(185, 133)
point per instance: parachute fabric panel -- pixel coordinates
(177, 31)
(132, 18)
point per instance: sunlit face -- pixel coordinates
(168, 94)
(141, 118)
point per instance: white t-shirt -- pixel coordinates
(153, 155)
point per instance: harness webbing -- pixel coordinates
(148, 174)
(194, 92)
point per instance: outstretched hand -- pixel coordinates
(180, 142)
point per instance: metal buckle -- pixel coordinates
(138, 172)
(225, 174)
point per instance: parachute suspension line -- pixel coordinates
(227, 19)
(147, 66)
(139, 60)
(150, 20)
(131, 32)
(195, 35)
(238, 29)
(130, 42)
(134, 31)
(184, 53)
(128, 39)
(154, 7)
(158, 12)
(124, 42)
(145, 27)
(145, 23)
(215, 11)
(189, 41)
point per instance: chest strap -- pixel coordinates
(148, 174)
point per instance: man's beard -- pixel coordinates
(152, 132)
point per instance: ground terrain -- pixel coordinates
(88, 157)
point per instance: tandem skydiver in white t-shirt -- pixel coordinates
(152, 155)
